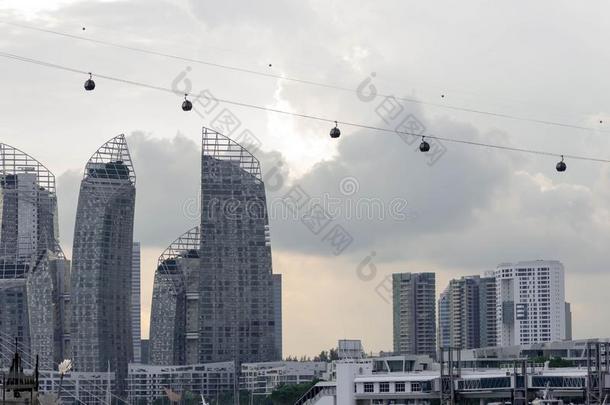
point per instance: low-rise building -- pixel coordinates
(263, 378)
(147, 383)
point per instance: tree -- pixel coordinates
(323, 356)
(558, 362)
(288, 394)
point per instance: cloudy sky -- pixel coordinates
(462, 214)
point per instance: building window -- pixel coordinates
(415, 387)
(369, 387)
(399, 387)
(384, 387)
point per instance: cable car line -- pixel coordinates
(304, 81)
(308, 116)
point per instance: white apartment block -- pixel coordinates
(263, 378)
(530, 302)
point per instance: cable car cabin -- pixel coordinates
(17, 387)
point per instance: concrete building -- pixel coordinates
(263, 378)
(361, 383)
(568, 321)
(414, 313)
(467, 310)
(277, 308)
(145, 348)
(148, 383)
(530, 303)
(350, 349)
(102, 263)
(573, 351)
(136, 334)
(32, 265)
(444, 319)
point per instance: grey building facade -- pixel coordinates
(136, 333)
(467, 310)
(215, 298)
(568, 321)
(32, 265)
(277, 310)
(174, 322)
(237, 318)
(102, 254)
(414, 313)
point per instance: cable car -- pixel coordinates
(89, 84)
(335, 132)
(186, 104)
(424, 146)
(561, 166)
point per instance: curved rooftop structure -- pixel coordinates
(221, 147)
(186, 245)
(111, 161)
(14, 161)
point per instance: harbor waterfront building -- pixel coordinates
(414, 313)
(530, 302)
(467, 313)
(264, 378)
(101, 331)
(148, 383)
(33, 268)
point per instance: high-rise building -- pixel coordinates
(215, 298)
(467, 313)
(568, 321)
(487, 310)
(277, 308)
(414, 315)
(174, 319)
(444, 319)
(530, 304)
(32, 265)
(102, 253)
(237, 318)
(136, 335)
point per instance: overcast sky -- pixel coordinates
(463, 214)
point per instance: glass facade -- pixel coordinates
(102, 267)
(237, 317)
(32, 265)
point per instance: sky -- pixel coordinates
(459, 211)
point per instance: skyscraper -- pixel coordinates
(102, 268)
(530, 305)
(568, 335)
(237, 318)
(467, 313)
(32, 265)
(174, 319)
(136, 335)
(277, 308)
(214, 296)
(444, 319)
(414, 315)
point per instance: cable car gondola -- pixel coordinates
(186, 104)
(561, 166)
(89, 84)
(335, 132)
(424, 146)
